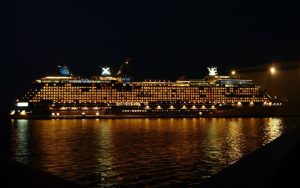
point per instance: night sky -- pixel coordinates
(164, 39)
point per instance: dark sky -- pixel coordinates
(165, 39)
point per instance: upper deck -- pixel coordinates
(106, 78)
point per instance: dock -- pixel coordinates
(275, 164)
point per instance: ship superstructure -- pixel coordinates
(107, 95)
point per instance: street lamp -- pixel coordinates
(272, 70)
(233, 72)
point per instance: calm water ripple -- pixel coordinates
(140, 152)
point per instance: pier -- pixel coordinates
(275, 164)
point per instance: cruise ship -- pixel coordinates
(115, 96)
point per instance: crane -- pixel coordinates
(122, 65)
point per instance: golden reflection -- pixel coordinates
(234, 140)
(113, 152)
(105, 158)
(272, 129)
(213, 144)
(21, 141)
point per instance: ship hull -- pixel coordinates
(126, 112)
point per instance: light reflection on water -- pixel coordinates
(22, 150)
(138, 152)
(273, 128)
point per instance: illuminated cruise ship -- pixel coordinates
(109, 96)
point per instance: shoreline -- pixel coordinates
(148, 116)
(274, 164)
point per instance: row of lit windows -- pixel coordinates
(137, 95)
(144, 99)
(134, 110)
(152, 100)
(140, 93)
(49, 88)
(153, 89)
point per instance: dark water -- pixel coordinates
(138, 152)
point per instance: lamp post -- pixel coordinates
(233, 73)
(272, 71)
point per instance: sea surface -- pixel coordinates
(137, 152)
